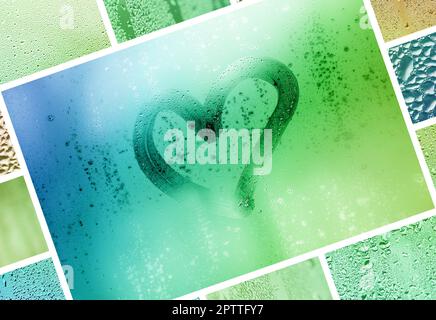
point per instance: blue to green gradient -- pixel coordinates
(345, 163)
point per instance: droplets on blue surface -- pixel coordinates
(38, 281)
(415, 66)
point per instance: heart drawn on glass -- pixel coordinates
(210, 115)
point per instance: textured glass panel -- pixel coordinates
(304, 281)
(133, 226)
(38, 281)
(427, 139)
(36, 35)
(132, 18)
(20, 233)
(8, 160)
(415, 66)
(398, 18)
(396, 265)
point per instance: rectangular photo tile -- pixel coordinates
(427, 139)
(414, 64)
(397, 265)
(140, 158)
(8, 159)
(38, 281)
(40, 34)
(20, 233)
(399, 18)
(132, 18)
(304, 281)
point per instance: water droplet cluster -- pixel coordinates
(131, 18)
(427, 139)
(396, 265)
(302, 281)
(35, 282)
(398, 18)
(8, 161)
(34, 36)
(415, 66)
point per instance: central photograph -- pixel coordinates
(218, 149)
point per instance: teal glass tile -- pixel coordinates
(415, 66)
(38, 281)
(397, 265)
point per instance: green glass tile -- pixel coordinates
(304, 281)
(132, 18)
(427, 138)
(8, 160)
(36, 35)
(20, 233)
(38, 281)
(396, 265)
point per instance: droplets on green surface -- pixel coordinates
(427, 139)
(40, 34)
(304, 281)
(8, 160)
(131, 18)
(38, 281)
(415, 66)
(396, 265)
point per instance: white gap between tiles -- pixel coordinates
(107, 23)
(425, 124)
(329, 278)
(410, 37)
(11, 176)
(25, 262)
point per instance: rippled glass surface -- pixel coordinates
(20, 233)
(304, 281)
(38, 281)
(132, 18)
(415, 66)
(36, 35)
(132, 226)
(8, 160)
(398, 18)
(396, 265)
